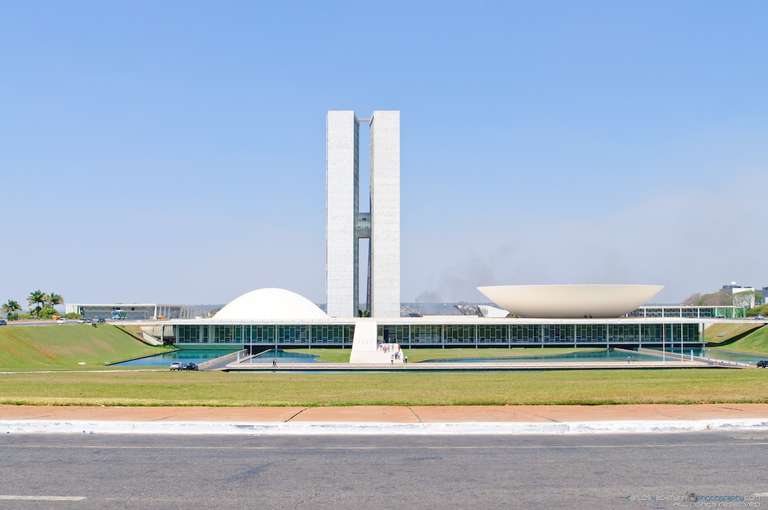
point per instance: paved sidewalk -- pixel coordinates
(390, 414)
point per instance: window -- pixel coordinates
(525, 333)
(426, 334)
(293, 334)
(393, 334)
(624, 333)
(495, 334)
(558, 333)
(261, 334)
(459, 334)
(590, 333)
(336, 334)
(223, 334)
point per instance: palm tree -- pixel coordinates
(10, 308)
(54, 299)
(37, 299)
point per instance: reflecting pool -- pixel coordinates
(183, 356)
(603, 355)
(282, 356)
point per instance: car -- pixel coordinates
(759, 317)
(3, 322)
(61, 321)
(175, 366)
(190, 366)
(101, 320)
(763, 363)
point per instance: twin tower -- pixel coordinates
(346, 225)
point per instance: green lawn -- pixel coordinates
(417, 355)
(283, 389)
(326, 354)
(756, 342)
(66, 346)
(722, 333)
(333, 355)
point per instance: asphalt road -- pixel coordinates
(368, 473)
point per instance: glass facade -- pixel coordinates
(539, 334)
(332, 335)
(590, 334)
(395, 334)
(262, 334)
(525, 333)
(558, 333)
(492, 334)
(415, 335)
(293, 335)
(272, 334)
(426, 335)
(691, 312)
(463, 334)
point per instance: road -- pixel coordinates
(594, 472)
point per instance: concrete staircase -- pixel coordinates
(367, 349)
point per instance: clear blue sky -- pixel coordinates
(174, 151)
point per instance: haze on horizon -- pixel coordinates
(175, 152)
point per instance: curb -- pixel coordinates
(379, 428)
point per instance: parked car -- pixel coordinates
(175, 366)
(190, 366)
(3, 322)
(101, 320)
(763, 363)
(60, 321)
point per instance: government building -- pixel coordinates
(521, 315)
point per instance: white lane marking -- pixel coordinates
(9, 497)
(363, 447)
(760, 495)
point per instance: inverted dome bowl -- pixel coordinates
(570, 301)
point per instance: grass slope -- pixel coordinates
(756, 342)
(64, 346)
(282, 389)
(723, 333)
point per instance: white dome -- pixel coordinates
(270, 304)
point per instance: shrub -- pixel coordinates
(758, 310)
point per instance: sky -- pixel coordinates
(174, 151)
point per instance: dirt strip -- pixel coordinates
(393, 414)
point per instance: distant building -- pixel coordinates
(764, 297)
(741, 295)
(734, 288)
(128, 311)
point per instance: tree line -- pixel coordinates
(41, 305)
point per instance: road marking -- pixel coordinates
(8, 497)
(363, 447)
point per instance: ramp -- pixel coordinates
(367, 349)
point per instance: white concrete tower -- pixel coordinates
(385, 214)
(346, 225)
(341, 163)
